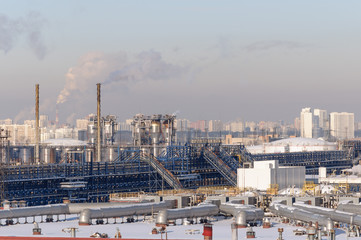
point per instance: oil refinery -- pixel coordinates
(196, 182)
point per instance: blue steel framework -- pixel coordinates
(332, 160)
(194, 165)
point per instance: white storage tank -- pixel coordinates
(25, 155)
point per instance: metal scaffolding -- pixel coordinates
(201, 163)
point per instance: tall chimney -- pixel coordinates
(37, 134)
(98, 125)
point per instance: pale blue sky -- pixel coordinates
(255, 60)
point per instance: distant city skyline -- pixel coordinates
(255, 61)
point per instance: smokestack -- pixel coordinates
(98, 125)
(37, 134)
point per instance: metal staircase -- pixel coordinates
(154, 163)
(244, 157)
(220, 166)
(166, 174)
(228, 159)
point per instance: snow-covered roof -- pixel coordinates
(221, 229)
(298, 141)
(290, 191)
(64, 142)
(293, 145)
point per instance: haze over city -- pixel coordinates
(204, 60)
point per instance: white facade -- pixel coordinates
(182, 124)
(237, 126)
(215, 125)
(342, 125)
(266, 173)
(306, 123)
(322, 118)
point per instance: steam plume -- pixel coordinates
(110, 69)
(30, 27)
(267, 45)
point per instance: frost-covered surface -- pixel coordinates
(142, 229)
(325, 188)
(290, 191)
(356, 170)
(293, 145)
(64, 142)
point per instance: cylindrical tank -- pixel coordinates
(110, 154)
(91, 133)
(25, 154)
(46, 155)
(167, 131)
(89, 155)
(52, 155)
(155, 132)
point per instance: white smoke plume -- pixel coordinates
(356, 170)
(267, 45)
(29, 27)
(107, 69)
(29, 111)
(26, 113)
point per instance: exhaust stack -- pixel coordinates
(98, 159)
(37, 133)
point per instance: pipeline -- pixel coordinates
(202, 210)
(300, 214)
(55, 209)
(335, 215)
(87, 215)
(76, 208)
(242, 213)
(350, 207)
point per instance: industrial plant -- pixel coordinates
(181, 180)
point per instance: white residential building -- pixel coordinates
(215, 125)
(322, 118)
(342, 125)
(237, 126)
(182, 124)
(306, 123)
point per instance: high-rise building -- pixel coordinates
(182, 125)
(200, 125)
(342, 125)
(306, 123)
(322, 118)
(215, 125)
(20, 133)
(44, 121)
(297, 123)
(237, 126)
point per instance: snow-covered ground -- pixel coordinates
(142, 229)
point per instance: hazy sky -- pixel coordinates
(252, 60)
